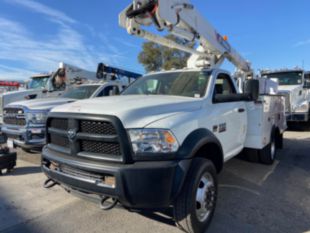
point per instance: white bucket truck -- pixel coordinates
(162, 142)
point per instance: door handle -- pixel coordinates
(241, 110)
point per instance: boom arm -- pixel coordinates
(181, 19)
(104, 70)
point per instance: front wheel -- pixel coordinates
(194, 208)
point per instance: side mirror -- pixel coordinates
(251, 87)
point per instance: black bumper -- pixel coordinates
(153, 184)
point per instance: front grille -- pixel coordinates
(17, 111)
(14, 121)
(59, 141)
(101, 147)
(14, 116)
(97, 127)
(86, 138)
(59, 123)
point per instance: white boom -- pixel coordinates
(181, 19)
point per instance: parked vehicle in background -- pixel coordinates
(45, 85)
(24, 121)
(161, 143)
(294, 85)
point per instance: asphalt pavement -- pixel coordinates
(253, 198)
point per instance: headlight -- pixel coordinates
(303, 107)
(153, 141)
(37, 118)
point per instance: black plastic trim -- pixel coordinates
(195, 140)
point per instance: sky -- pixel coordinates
(36, 35)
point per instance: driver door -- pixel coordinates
(231, 116)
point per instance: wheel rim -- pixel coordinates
(205, 197)
(273, 149)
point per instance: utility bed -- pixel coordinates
(262, 115)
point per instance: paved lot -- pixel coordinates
(252, 198)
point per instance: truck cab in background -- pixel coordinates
(294, 85)
(45, 85)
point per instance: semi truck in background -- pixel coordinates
(45, 85)
(161, 143)
(24, 121)
(294, 85)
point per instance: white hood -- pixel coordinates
(41, 104)
(134, 111)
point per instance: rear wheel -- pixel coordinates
(194, 208)
(268, 154)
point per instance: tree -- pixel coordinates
(155, 57)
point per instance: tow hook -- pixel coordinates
(104, 205)
(49, 183)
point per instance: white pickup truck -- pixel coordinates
(294, 85)
(149, 147)
(162, 142)
(24, 121)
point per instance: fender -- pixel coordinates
(195, 140)
(192, 143)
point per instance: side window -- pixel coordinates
(107, 90)
(224, 85)
(151, 86)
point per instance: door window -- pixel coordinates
(224, 85)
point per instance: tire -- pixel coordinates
(268, 154)
(188, 214)
(279, 141)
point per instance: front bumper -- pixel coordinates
(297, 117)
(153, 184)
(27, 138)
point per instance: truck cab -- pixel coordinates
(24, 121)
(294, 86)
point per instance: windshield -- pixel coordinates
(188, 84)
(81, 92)
(286, 78)
(38, 83)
